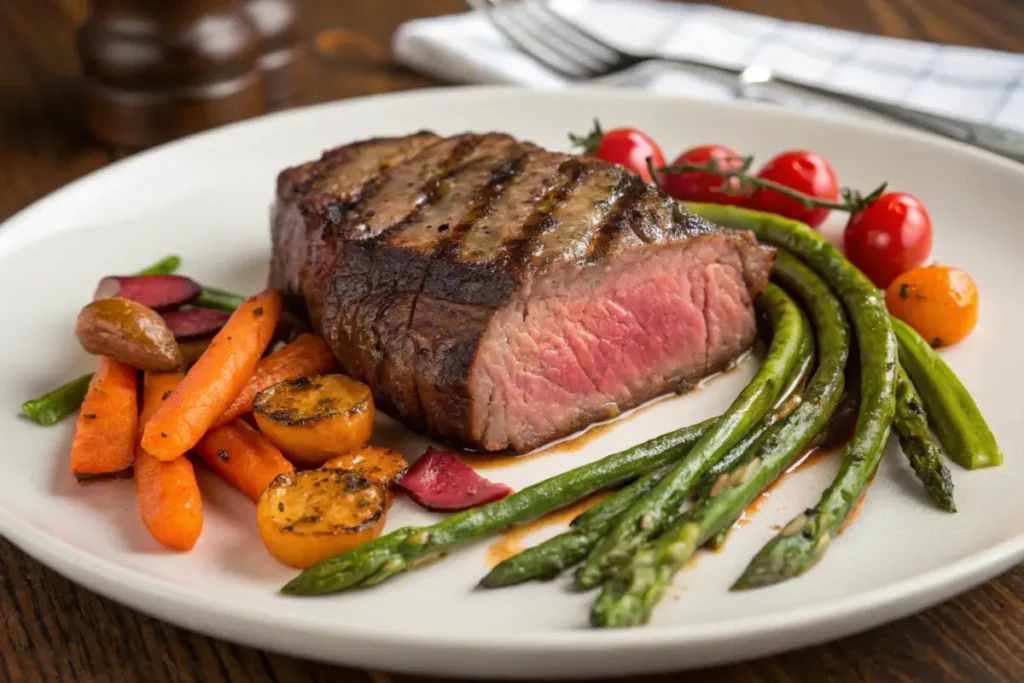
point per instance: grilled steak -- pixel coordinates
(499, 295)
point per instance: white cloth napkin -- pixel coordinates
(982, 85)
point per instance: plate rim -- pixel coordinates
(167, 601)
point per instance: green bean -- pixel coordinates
(791, 554)
(51, 408)
(165, 266)
(650, 514)
(216, 298)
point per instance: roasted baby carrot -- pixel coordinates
(243, 457)
(108, 421)
(308, 355)
(167, 492)
(215, 380)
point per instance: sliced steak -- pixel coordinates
(498, 295)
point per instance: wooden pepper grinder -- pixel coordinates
(283, 58)
(157, 70)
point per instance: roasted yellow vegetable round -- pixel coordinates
(313, 419)
(373, 462)
(307, 517)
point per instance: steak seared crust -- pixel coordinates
(499, 295)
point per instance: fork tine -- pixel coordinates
(570, 31)
(521, 39)
(527, 25)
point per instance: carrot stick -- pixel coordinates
(107, 423)
(167, 492)
(243, 457)
(215, 380)
(307, 356)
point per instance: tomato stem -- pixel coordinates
(588, 143)
(852, 201)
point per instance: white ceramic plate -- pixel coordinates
(206, 198)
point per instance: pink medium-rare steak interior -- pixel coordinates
(498, 295)
(572, 349)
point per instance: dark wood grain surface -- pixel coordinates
(52, 630)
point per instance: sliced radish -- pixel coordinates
(158, 292)
(195, 322)
(440, 481)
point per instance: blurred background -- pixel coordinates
(85, 82)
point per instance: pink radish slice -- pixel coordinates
(195, 322)
(440, 481)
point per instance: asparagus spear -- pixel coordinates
(551, 557)
(547, 560)
(630, 596)
(788, 399)
(919, 445)
(961, 427)
(402, 549)
(650, 514)
(787, 556)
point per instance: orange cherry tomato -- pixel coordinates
(940, 302)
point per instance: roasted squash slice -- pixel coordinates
(313, 419)
(373, 462)
(307, 517)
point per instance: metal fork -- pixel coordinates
(567, 49)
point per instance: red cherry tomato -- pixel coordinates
(699, 186)
(889, 237)
(805, 172)
(629, 148)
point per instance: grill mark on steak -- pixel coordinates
(432, 189)
(322, 252)
(507, 213)
(621, 218)
(519, 250)
(419, 236)
(491, 192)
(421, 297)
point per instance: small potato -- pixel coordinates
(313, 419)
(128, 332)
(373, 462)
(305, 518)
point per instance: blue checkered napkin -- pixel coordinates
(982, 85)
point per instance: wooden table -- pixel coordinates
(55, 631)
